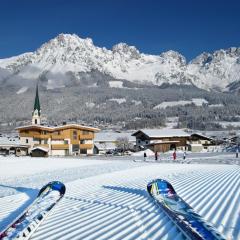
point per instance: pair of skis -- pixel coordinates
(27, 223)
(192, 225)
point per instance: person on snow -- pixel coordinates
(174, 155)
(145, 156)
(184, 155)
(237, 152)
(156, 156)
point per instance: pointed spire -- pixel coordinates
(37, 102)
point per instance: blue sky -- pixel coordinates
(153, 26)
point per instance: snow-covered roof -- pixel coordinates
(164, 132)
(9, 141)
(40, 148)
(162, 142)
(201, 135)
(111, 136)
(54, 128)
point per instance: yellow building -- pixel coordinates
(67, 139)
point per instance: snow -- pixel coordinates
(136, 102)
(115, 84)
(108, 198)
(199, 102)
(226, 124)
(164, 105)
(164, 132)
(90, 104)
(118, 100)
(22, 90)
(112, 136)
(196, 101)
(9, 141)
(141, 153)
(41, 148)
(216, 105)
(68, 53)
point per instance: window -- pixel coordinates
(82, 142)
(75, 147)
(45, 141)
(75, 135)
(83, 151)
(26, 140)
(35, 121)
(65, 141)
(37, 140)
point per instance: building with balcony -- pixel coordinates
(162, 140)
(66, 139)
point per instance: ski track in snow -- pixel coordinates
(116, 205)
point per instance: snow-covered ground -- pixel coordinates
(225, 124)
(196, 101)
(108, 198)
(118, 100)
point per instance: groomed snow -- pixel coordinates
(116, 205)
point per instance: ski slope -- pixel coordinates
(116, 205)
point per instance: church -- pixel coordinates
(62, 140)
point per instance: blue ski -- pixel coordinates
(26, 224)
(192, 225)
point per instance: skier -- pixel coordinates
(156, 156)
(145, 156)
(174, 155)
(184, 155)
(237, 152)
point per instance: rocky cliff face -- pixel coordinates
(68, 60)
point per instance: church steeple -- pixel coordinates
(37, 102)
(37, 109)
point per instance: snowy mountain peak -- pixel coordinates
(124, 49)
(174, 56)
(68, 57)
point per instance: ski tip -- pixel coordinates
(159, 185)
(54, 185)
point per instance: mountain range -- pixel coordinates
(69, 60)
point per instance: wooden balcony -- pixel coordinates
(58, 137)
(59, 146)
(86, 146)
(86, 137)
(35, 135)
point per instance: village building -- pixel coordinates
(12, 145)
(63, 140)
(162, 140)
(199, 142)
(105, 141)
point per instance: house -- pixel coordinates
(105, 141)
(10, 145)
(162, 140)
(198, 142)
(39, 152)
(62, 140)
